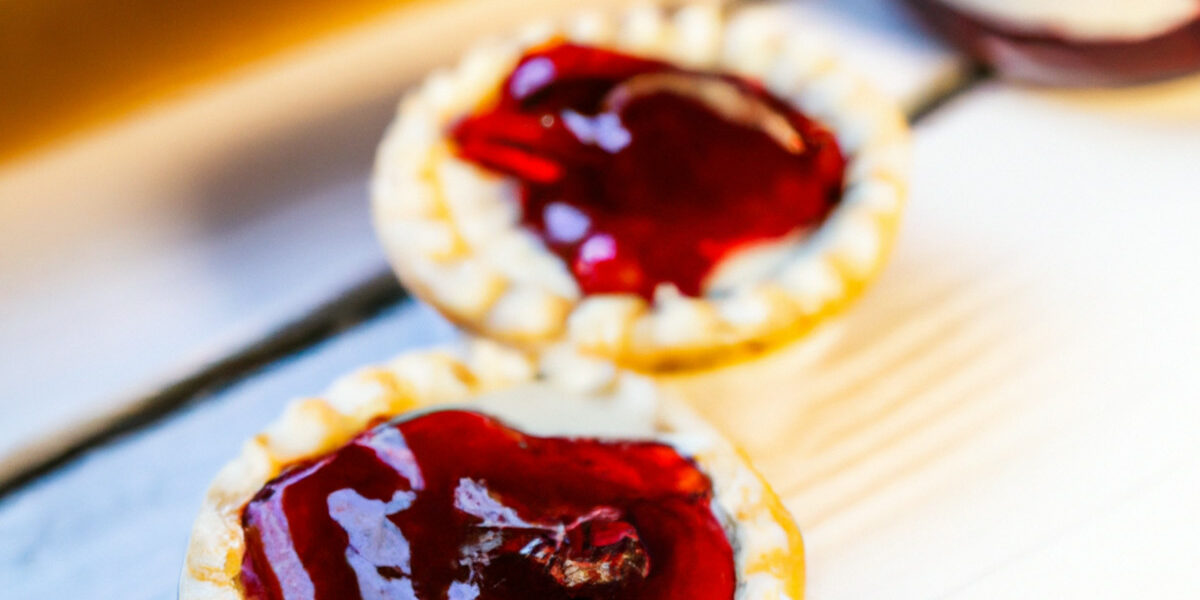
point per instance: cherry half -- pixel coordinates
(456, 505)
(640, 173)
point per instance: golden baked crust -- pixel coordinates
(451, 228)
(767, 545)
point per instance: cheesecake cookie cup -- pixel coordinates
(472, 473)
(667, 190)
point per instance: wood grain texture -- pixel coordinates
(163, 244)
(115, 523)
(1010, 412)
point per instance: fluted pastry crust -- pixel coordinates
(451, 228)
(486, 377)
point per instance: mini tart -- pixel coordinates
(603, 404)
(452, 230)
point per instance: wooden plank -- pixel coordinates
(1011, 411)
(1157, 526)
(1023, 378)
(114, 524)
(880, 39)
(166, 243)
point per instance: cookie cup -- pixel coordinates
(452, 229)
(484, 377)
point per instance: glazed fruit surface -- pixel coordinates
(639, 173)
(456, 505)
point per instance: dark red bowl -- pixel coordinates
(1038, 55)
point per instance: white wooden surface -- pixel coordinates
(1011, 414)
(114, 524)
(880, 39)
(142, 253)
(1014, 412)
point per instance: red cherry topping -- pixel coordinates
(455, 505)
(639, 173)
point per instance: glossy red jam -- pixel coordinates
(638, 173)
(455, 505)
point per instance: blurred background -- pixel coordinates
(185, 245)
(66, 65)
(181, 181)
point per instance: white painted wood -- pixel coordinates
(1010, 413)
(158, 245)
(1013, 409)
(115, 523)
(879, 38)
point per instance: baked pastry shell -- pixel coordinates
(451, 228)
(768, 549)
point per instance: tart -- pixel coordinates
(666, 191)
(477, 475)
(1073, 42)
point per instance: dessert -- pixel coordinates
(1074, 42)
(592, 137)
(437, 476)
(664, 191)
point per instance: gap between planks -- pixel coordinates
(348, 309)
(343, 311)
